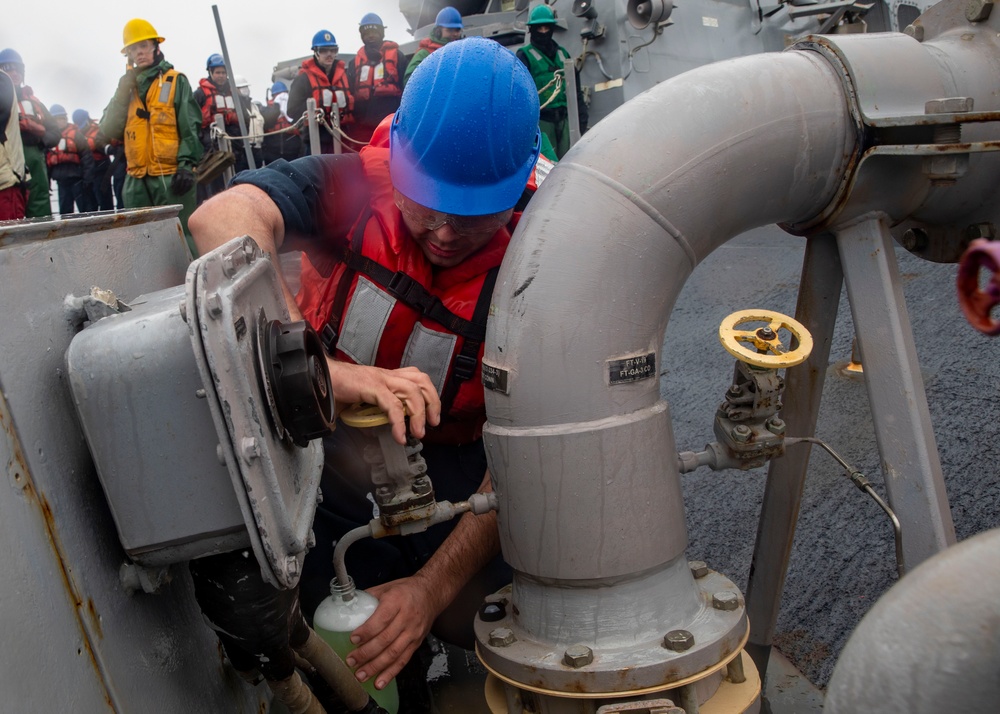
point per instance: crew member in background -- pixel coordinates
(38, 133)
(215, 96)
(439, 209)
(68, 162)
(281, 141)
(154, 113)
(254, 121)
(100, 180)
(376, 75)
(447, 27)
(544, 58)
(13, 179)
(324, 78)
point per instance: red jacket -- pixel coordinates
(383, 329)
(328, 91)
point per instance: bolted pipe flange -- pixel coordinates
(577, 656)
(699, 568)
(502, 637)
(725, 600)
(678, 640)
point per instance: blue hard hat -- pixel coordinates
(57, 110)
(81, 117)
(213, 61)
(9, 56)
(466, 137)
(449, 17)
(324, 38)
(278, 88)
(371, 19)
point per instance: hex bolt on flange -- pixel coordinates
(725, 600)
(978, 10)
(915, 31)
(741, 433)
(502, 637)
(699, 568)
(250, 448)
(678, 640)
(577, 656)
(214, 303)
(776, 426)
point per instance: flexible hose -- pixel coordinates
(296, 696)
(331, 667)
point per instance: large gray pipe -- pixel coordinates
(578, 438)
(585, 463)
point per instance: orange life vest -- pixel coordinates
(431, 318)
(66, 151)
(32, 113)
(378, 79)
(330, 91)
(216, 103)
(90, 134)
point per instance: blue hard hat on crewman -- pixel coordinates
(371, 19)
(9, 56)
(57, 110)
(449, 17)
(474, 153)
(324, 38)
(278, 88)
(81, 117)
(214, 60)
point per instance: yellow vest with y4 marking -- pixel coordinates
(151, 136)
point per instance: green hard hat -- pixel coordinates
(542, 15)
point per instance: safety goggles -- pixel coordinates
(430, 220)
(327, 50)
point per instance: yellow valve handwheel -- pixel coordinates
(762, 347)
(364, 416)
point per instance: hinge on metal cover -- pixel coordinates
(99, 304)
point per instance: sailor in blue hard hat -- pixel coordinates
(376, 75)
(404, 241)
(323, 77)
(447, 28)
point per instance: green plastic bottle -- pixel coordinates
(336, 618)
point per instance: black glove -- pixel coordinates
(182, 182)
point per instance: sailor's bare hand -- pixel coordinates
(385, 643)
(391, 390)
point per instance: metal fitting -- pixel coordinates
(725, 600)
(699, 568)
(250, 251)
(422, 486)
(292, 566)
(915, 31)
(978, 10)
(949, 105)
(775, 426)
(981, 230)
(229, 265)
(766, 333)
(250, 448)
(214, 304)
(741, 433)
(502, 637)
(915, 240)
(577, 656)
(678, 640)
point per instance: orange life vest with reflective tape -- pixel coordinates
(330, 91)
(378, 79)
(66, 151)
(216, 103)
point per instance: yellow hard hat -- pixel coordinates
(137, 30)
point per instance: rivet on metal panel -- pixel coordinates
(577, 656)
(250, 448)
(978, 10)
(502, 637)
(699, 568)
(214, 303)
(915, 31)
(678, 640)
(725, 600)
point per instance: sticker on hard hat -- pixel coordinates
(495, 379)
(631, 369)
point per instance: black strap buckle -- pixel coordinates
(411, 292)
(465, 367)
(329, 339)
